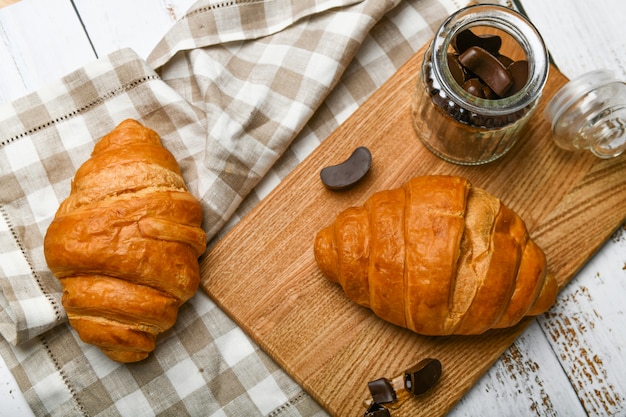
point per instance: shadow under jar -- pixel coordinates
(456, 124)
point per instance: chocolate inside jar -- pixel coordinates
(488, 64)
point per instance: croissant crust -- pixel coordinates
(439, 257)
(125, 243)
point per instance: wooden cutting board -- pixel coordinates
(264, 276)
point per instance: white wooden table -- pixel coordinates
(571, 362)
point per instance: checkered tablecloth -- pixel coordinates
(240, 92)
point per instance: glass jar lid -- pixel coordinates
(589, 112)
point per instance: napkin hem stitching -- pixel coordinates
(220, 5)
(64, 378)
(95, 102)
(289, 404)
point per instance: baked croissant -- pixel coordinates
(125, 244)
(439, 257)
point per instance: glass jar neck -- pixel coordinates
(509, 22)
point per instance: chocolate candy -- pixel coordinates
(456, 69)
(519, 73)
(423, 376)
(395, 391)
(506, 61)
(488, 68)
(377, 410)
(466, 39)
(477, 58)
(349, 172)
(382, 391)
(474, 87)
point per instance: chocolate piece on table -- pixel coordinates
(349, 172)
(423, 376)
(382, 391)
(377, 410)
(488, 68)
(465, 39)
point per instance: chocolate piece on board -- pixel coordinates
(423, 376)
(377, 410)
(349, 172)
(382, 391)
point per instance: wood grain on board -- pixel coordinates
(264, 276)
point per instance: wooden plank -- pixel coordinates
(263, 273)
(527, 377)
(140, 24)
(586, 329)
(32, 54)
(592, 37)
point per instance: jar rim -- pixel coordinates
(510, 22)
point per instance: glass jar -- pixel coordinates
(460, 127)
(589, 112)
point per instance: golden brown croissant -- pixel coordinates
(125, 243)
(438, 257)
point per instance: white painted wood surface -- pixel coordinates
(571, 362)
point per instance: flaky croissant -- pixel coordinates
(439, 257)
(125, 244)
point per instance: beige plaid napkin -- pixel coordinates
(240, 93)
